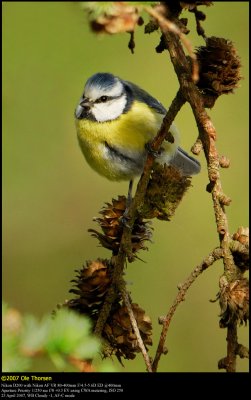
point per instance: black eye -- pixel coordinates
(103, 99)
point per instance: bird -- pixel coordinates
(115, 122)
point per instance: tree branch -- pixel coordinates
(229, 363)
(187, 71)
(207, 135)
(207, 262)
(172, 27)
(119, 260)
(141, 345)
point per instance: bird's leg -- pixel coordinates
(129, 195)
(125, 217)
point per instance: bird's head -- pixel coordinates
(104, 98)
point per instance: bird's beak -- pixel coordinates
(83, 107)
(85, 103)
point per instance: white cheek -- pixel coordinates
(109, 111)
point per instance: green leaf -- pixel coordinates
(96, 9)
(35, 333)
(106, 366)
(58, 360)
(67, 334)
(87, 349)
(67, 330)
(12, 359)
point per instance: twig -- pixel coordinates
(207, 132)
(172, 36)
(229, 363)
(138, 199)
(215, 255)
(105, 310)
(119, 260)
(232, 343)
(172, 27)
(141, 345)
(207, 135)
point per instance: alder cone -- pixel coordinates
(91, 285)
(120, 335)
(112, 226)
(234, 302)
(219, 69)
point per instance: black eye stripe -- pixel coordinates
(104, 99)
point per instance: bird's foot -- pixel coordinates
(154, 153)
(124, 219)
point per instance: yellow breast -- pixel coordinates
(128, 134)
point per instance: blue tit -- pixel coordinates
(115, 119)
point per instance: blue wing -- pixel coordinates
(135, 92)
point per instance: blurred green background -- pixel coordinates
(50, 194)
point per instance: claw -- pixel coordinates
(124, 219)
(154, 153)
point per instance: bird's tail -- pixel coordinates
(185, 163)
